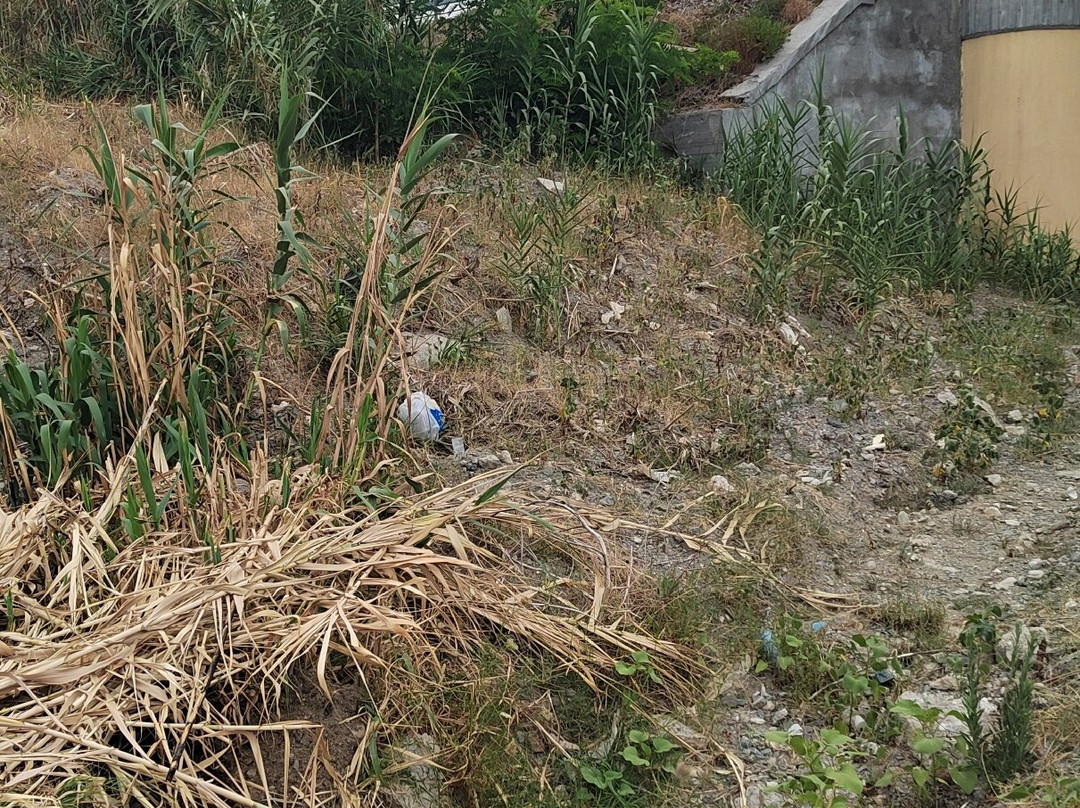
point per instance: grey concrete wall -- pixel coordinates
(878, 56)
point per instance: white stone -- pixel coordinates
(613, 314)
(502, 317)
(554, 187)
(947, 397)
(424, 351)
(721, 485)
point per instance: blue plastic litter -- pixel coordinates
(769, 646)
(885, 678)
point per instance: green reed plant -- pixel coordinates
(883, 217)
(539, 258)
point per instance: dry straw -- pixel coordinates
(162, 666)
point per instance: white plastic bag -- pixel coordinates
(422, 417)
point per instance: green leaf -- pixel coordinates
(761, 666)
(637, 736)
(966, 778)
(776, 736)
(834, 737)
(494, 490)
(592, 776)
(625, 669)
(885, 780)
(784, 662)
(847, 778)
(928, 746)
(919, 775)
(855, 685)
(630, 755)
(662, 745)
(916, 711)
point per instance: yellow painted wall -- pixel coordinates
(1021, 92)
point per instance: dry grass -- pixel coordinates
(795, 11)
(192, 666)
(159, 665)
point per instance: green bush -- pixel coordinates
(579, 79)
(756, 38)
(704, 64)
(871, 219)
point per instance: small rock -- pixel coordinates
(838, 405)
(502, 317)
(721, 485)
(1036, 575)
(424, 351)
(994, 479)
(1005, 583)
(948, 398)
(1069, 474)
(948, 682)
(482, 461)
(748, 469)
(795, 730)
(903, 518)
(982, 405)
(946, 724)
(553, 187)
(993, 511)
(613, 314)
(688, 737)
(458, 446)
(662, 477)
(835, 423)
(780, 715)
(1014, 417)
(421, 783)
(878, 444)
(1035, 564)
(1007, 641)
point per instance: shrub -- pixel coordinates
(872, 219)
(583, 79)
(756, 38)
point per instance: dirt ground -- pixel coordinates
(664, 383)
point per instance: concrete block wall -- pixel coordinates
(877, 56)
